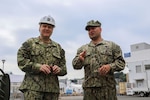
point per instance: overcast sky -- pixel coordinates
(125, 22)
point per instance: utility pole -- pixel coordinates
(3, 61)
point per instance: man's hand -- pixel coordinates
(82, 55)
(45, 68)
(104, 69)
(56, 69)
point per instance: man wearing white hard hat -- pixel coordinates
(42, 60)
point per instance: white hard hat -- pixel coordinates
(48, 20)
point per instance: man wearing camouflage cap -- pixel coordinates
(42, 60)
(100, 59)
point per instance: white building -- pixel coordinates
(138, 62)
(65, 86)
(72, 88)
(16, 81)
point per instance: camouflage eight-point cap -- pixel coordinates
(92, 23)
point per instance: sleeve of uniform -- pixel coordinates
(63, 64)
(76, 62)
(24, 59)
(119, 62)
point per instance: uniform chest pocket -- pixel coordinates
(56, 59)
(106, 52)
(88, 58)
(57, 55)
(88, 54)
(106, 56)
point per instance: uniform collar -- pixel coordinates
(100, 43)
(38, 41)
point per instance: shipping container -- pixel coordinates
(122, 88)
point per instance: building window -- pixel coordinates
(138, 69)
(147, 67)
(139, 83)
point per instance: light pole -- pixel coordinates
(3, 61)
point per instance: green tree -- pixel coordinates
(120, 76)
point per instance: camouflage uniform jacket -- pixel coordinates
(106, 52)
(31, 56)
